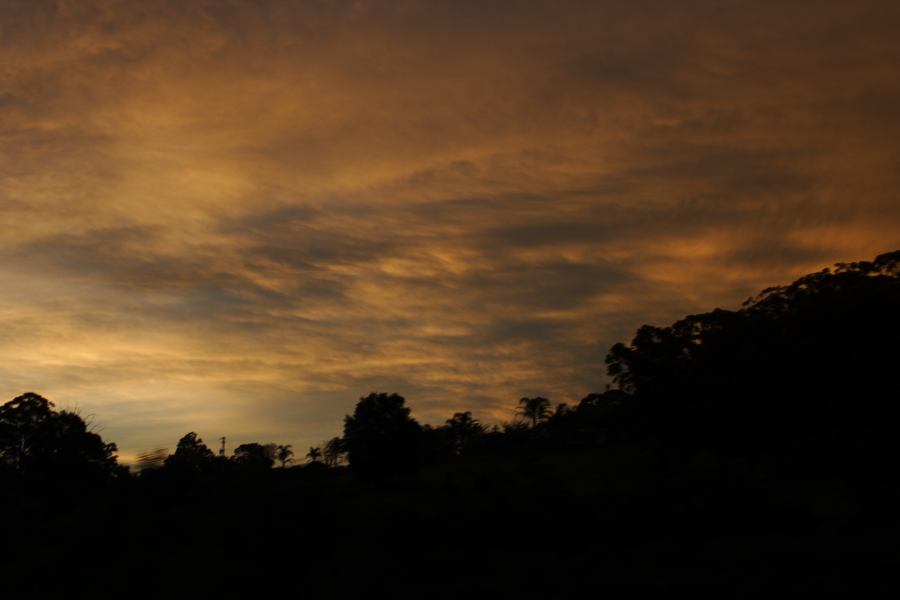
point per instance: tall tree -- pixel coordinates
(314, 454)
(380, 436)
(191, 454)
(333, 451)
(463, 429)
(284, 454)
(37, 441)
(535, 409)
(255, 456)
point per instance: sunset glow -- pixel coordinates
(238, 218)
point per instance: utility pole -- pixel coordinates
(222, 448)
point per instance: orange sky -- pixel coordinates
(239, 217)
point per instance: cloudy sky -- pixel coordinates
(238, 217)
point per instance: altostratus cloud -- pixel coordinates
(239, 217)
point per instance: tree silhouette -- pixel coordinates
(191, 454)
(380, 436)
(21, 422)
(255, 456)
(806, 360)
(35, 440)
(284, 454)
(463, 429)
(333, 451)
(536, 409)
(314, 454)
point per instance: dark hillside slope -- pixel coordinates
(816, 360)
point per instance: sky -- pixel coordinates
(238, 217)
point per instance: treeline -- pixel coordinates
(804, 369)
(381, 440)
(741, 451)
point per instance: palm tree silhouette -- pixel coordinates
(314, 454)
(284, 454)
(537, 409)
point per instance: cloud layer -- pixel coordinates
(238, 217)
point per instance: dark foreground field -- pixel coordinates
(552, 525)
